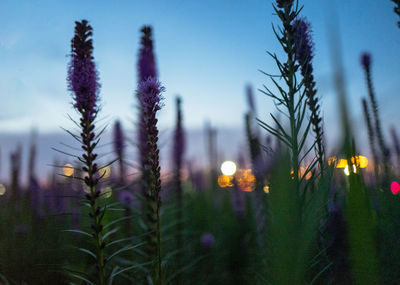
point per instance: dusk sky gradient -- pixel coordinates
(207, 51)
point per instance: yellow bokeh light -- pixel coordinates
(332, 159)
(359, 161)
(266, 189)
(68, 169)
(302, 171)
(225, 181)
(245, 179)
(105, 172)
(342, 163)
(2, 189)
(228, 168)
(106, 192)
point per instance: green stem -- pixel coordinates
(95, 213)
(290, 74)
(159, 242)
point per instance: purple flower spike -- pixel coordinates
(179, 138)
(366, 60)
(304, 45)
(304, 55)
(119, 149)
(250, 99)
(83, 83)
(147, 61)
(207, 241)
(82, 74)
(118, 138)
(149, 93)
(284, 3)
(126, 199)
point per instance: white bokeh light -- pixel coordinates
(228, 168)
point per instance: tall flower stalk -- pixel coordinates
(178, 153)
(83, 82)
(149, 97)
(290, 95)
(149, 94)
(211, 150)
(146, 68)
(396, 144)
(371, 136)
(304, 56)
(33, 185)
(258, 164)
(366, 64)
(15, 162)
(119, 147)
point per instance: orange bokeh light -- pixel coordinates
(245, 179)
(225, 181)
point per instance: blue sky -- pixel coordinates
(206, 51)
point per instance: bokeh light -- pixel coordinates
(347, 172)
(303, 172)
(245, 179)
(225, 181)
(2, 189)
(360, 161)
(106, 192)
(332, 159)
(342, 163)
(105, 172)
(395, 187)
(228, 168)
(68, 169)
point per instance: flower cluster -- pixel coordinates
(284, 3)
(82, 74)
(118, 138)
(179, 138)
(147, 62)
(366, 60)
(304, 45)
(149, 93)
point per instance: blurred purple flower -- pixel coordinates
(146, 68)
(126, 199)
(36, 197)
(284, 3)
(366, 60)
(119, 149)
(82, 74)
(149, 93)
(207, 241)
(250, 99)
(118, 139)
(16, 167)
(304, 45)
(179, 138)
(146, 62)
(304, 55)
